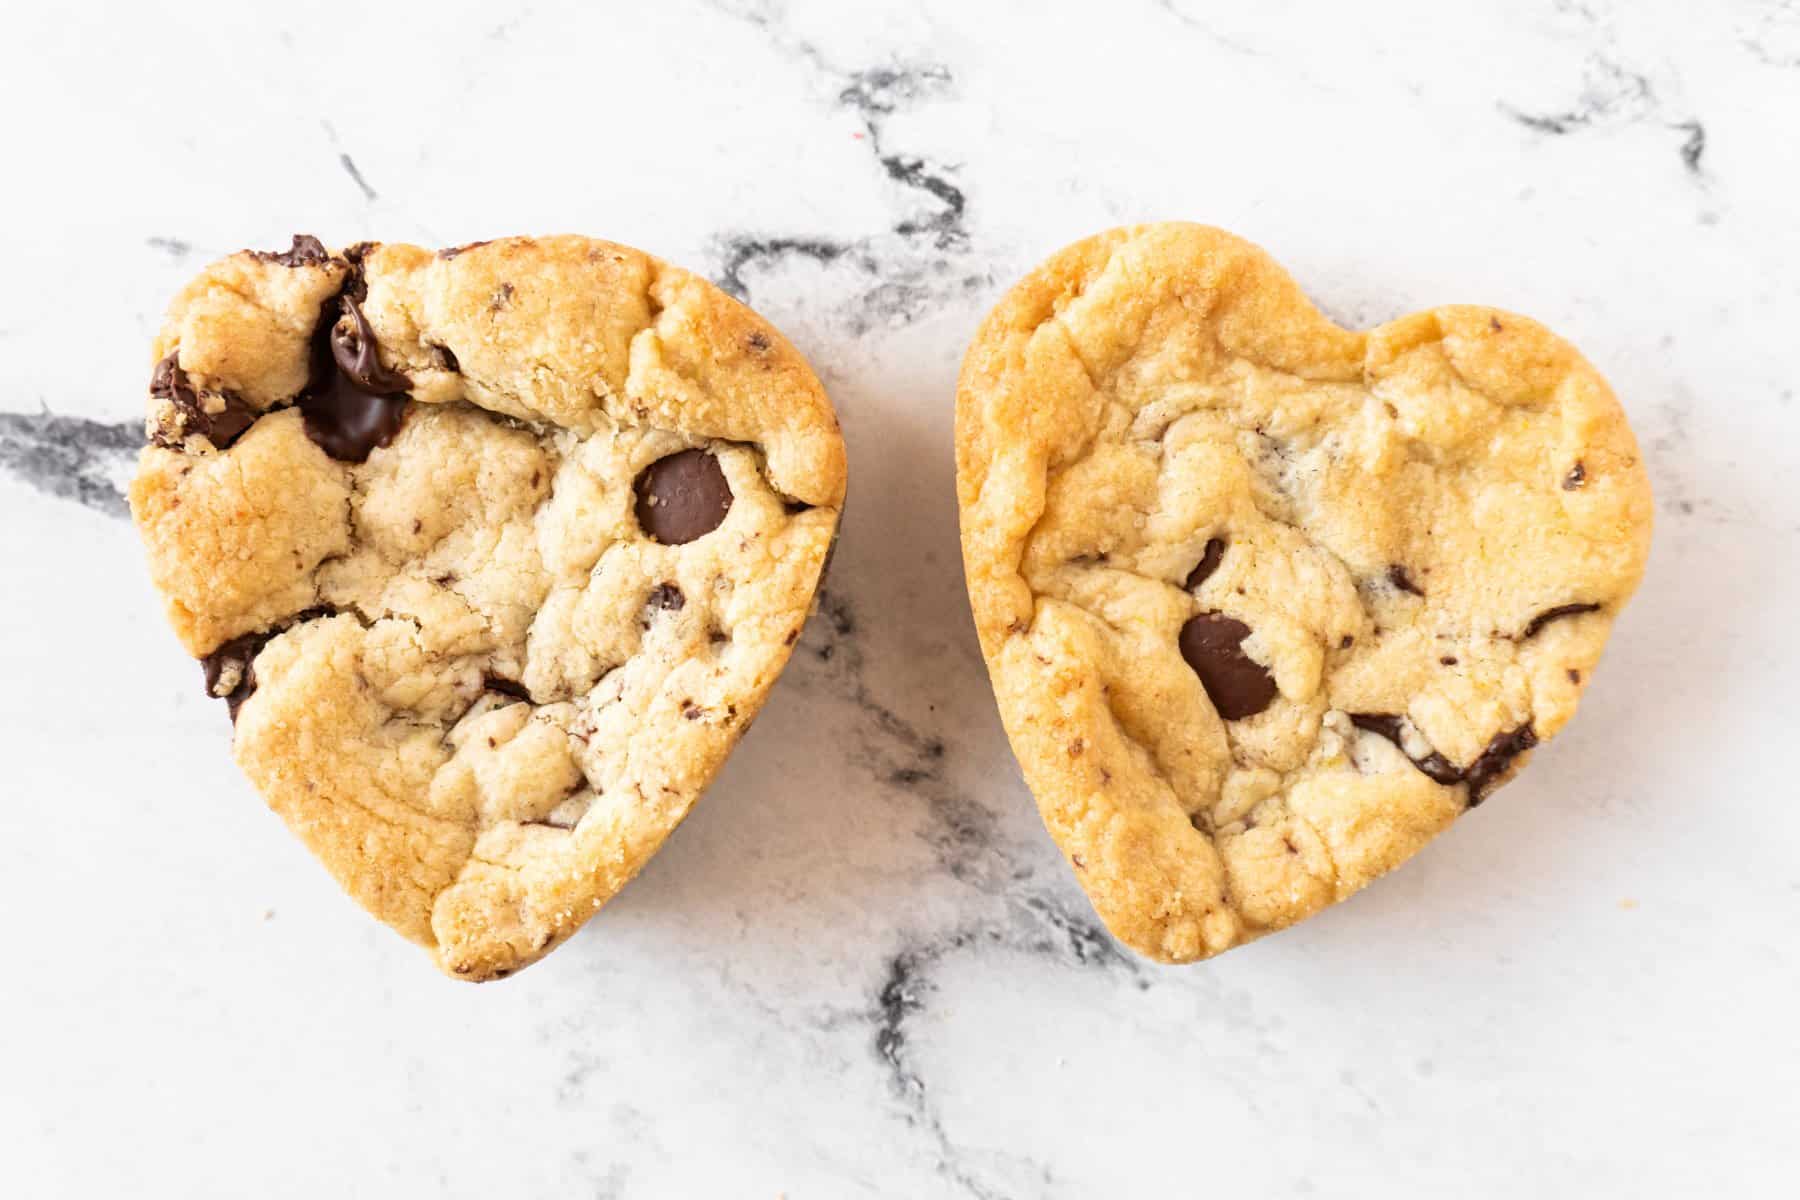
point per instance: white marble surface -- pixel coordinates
(860, 969)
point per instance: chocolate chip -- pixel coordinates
(231, 666)
(354, 255)
(506, 687)
(307, 251)
(682, 497)
(1449, 660)
(230, 670)
(1482, 775)
(453, 251)
(1391, 727)
(1440, 770)
(444, 359)
(757, 341)
(1575, 478)
(1574, 675)
(169, 382)
(1238, 685)
(667, 595)
(1210, 558)
(1555, 614)
(353, 403)
(1386, 724)
(1399, 578)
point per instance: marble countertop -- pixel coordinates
(861, 969)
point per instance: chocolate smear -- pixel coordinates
(352, 404)
(1483, 775)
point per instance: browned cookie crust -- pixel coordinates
(494, 553)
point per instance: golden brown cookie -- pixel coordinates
(1268, 603)
(494, 553)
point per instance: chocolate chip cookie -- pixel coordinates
(492, 553)
(1268, 603)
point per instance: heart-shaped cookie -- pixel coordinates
(494, 553)
(1268, 603)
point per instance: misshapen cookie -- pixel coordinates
(1268, 603)
(493, 553)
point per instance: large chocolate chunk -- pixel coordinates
(682, 497)
(1485, 773)
(505, 686)
(353, 403)
(307, 251)
(230, 670)
(222, 428)
(1239, 686)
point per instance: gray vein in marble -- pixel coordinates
(740, 252)
(581, 1067)
(877, 93)
(1694, 146)
(71, 457)
(1223, 41)
(895, 751)
(174, 247)
(964, 837)
(608, 1177)
(1611, 94)
(1039, 927)
(1776, 41)
(349, 165)
(906, 267)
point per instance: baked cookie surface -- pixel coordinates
(493, 552)
(1268, 603)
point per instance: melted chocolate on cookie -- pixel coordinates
(230, 670)
(353, 403)
(169, 382)
(307, 251)
(1483, 775)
